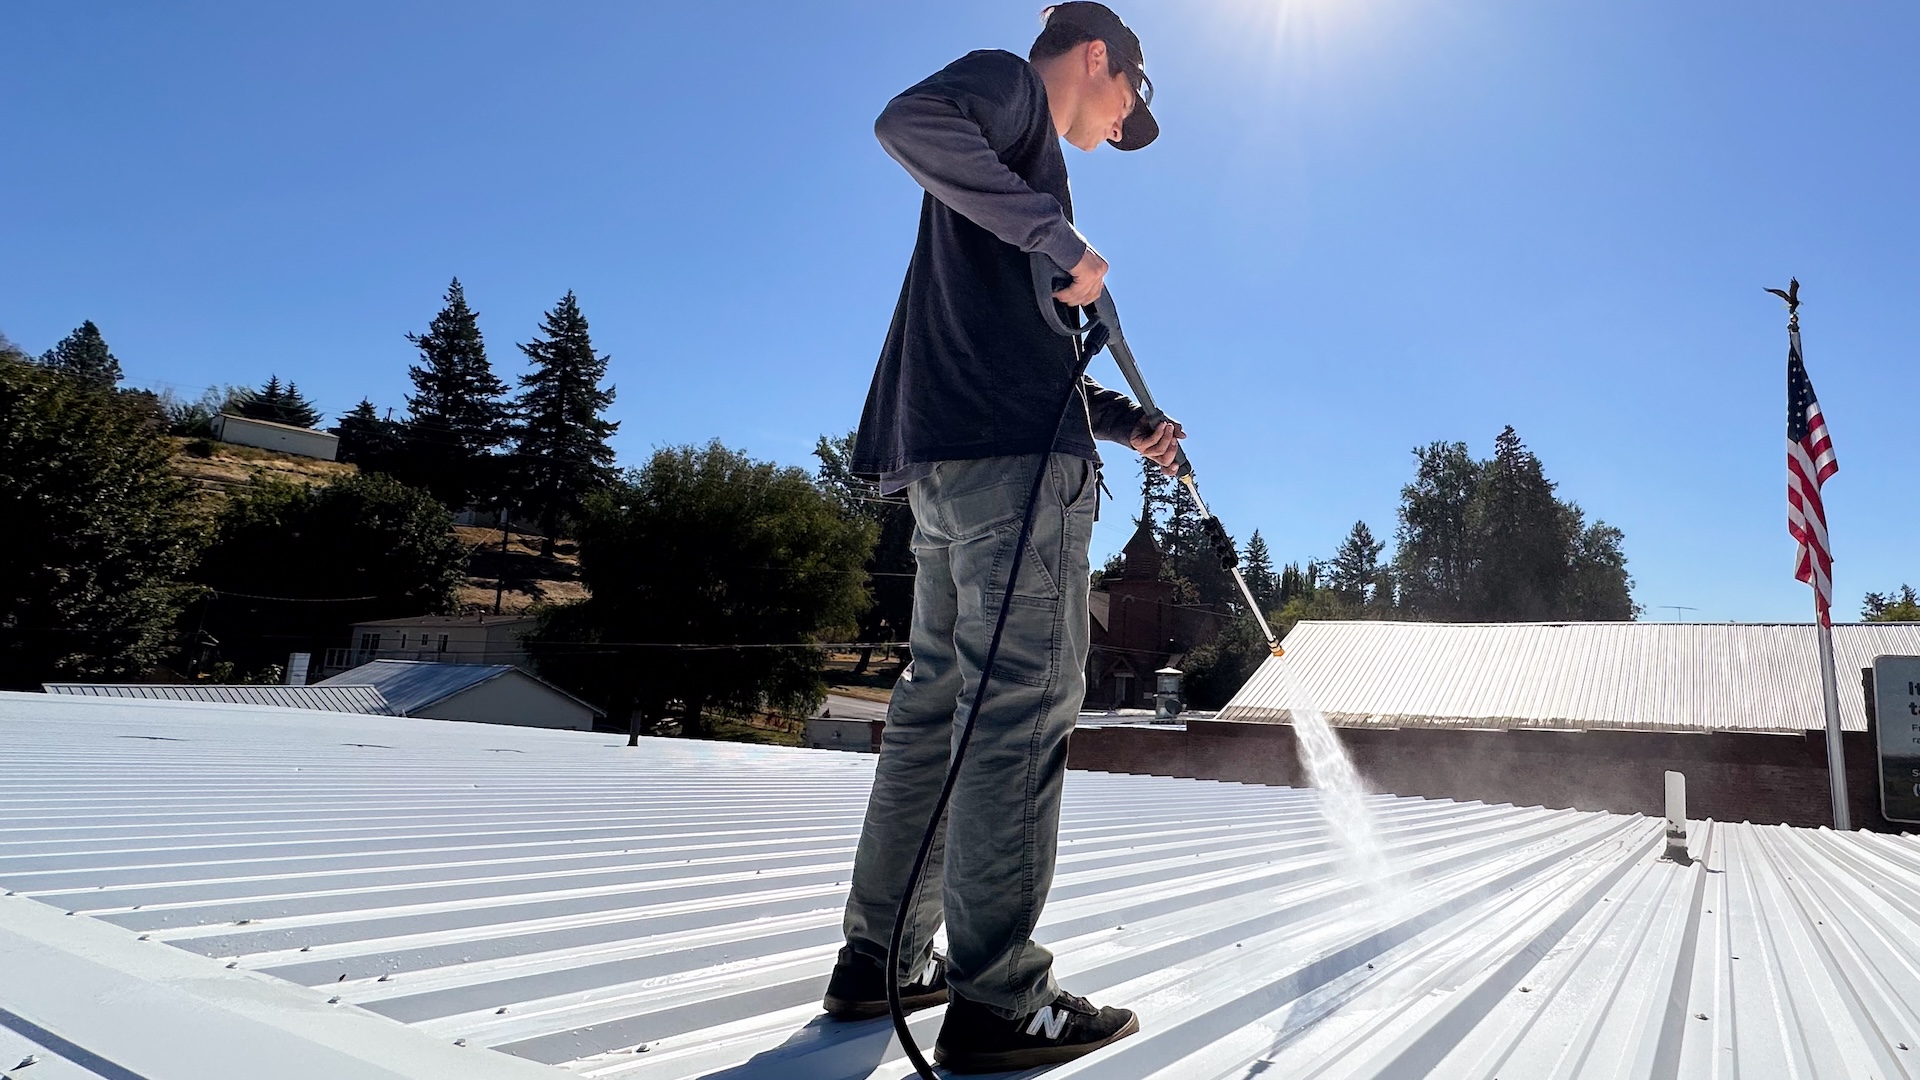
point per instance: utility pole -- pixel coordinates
(500, 579)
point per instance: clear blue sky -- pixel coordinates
(1367, 225)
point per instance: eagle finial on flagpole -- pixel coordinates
(1791, 294)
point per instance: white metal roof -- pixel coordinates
(413, 685)
(672, 910)
(332, 697)
(1646, 675)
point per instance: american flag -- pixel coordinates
(1809, 462)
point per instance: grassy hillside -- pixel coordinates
(221, 469)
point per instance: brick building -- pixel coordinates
(1137, 628)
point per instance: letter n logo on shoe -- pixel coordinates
(1054, 1020)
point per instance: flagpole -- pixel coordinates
(1836, 756)
(1823, 627)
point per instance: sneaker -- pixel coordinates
(975, 1039)
(858, 989)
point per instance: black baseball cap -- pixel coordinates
(1099, 21)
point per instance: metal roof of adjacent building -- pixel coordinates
(1644, 675)
(205, 892)
(412, 685)
(346, 696)
(452, 620)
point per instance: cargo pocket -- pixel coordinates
(1032, 637)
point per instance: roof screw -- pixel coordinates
(342, 978)
(32, 1058)
(502, 1009)
(1699, 1016)
(1902, 1046)
(459, 1042)
(642, 1048)
(144, 937)
(306, 948)
(383, 978)
(1524, 989)
(233, 963)
(334, 1000)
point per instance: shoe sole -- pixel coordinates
(1010, 1060)
(842, 1009)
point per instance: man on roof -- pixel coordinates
(964, 408)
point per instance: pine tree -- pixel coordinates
(369, 440)
(1257, 568)
(295, 409)
(1901, 605)
(1356, 566)
(456, 417)
(561, 453)
(279, 405)
(262, 404)
(1521, 536)
(84, 355)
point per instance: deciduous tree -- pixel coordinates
(294, 566)
(711, 577)
(891, 567)
(100, 532)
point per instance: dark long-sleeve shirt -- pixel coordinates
(969, 368)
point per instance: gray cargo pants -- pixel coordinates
(992, 864)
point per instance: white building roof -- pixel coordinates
(412, 685)
(1646, 675)
(246, 883)
(340, 697)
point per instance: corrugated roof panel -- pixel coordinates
(331, 697)
(411, 685)
(671, 911)
(1655, 676)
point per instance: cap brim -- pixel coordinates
(1139, 130)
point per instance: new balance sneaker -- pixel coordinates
(975, 1039)
(858, 989)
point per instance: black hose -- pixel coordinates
(1081, 358)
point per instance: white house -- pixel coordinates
(478, 693)
(267, 435)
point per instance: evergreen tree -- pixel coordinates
(1900, 606)
(1491, 542)
(1294, 583)
(100, 532)
(1520, 536)
(10, 351)
(277, 404)
(84, 355)
(456, 418)
(369, 440)
(295, 409)
(1356, 566)
(1257, 569)
(561, 455)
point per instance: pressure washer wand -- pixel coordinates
(1104, 329)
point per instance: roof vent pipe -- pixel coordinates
(1677, 818)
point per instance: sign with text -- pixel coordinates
(1896, 705)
